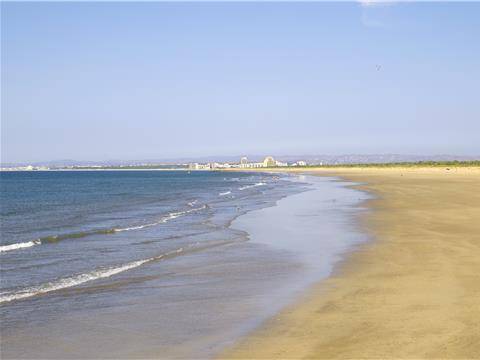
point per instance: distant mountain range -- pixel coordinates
(310, 159)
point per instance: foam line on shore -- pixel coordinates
(101, 273)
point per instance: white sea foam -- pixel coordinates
(174, 215)
(21, 245)
(137, 227)
(251, 186)
(79, 279)
(169, 217)
(225, 193)
(192, 203)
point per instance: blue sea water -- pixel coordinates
(63, 229)
(149, 264)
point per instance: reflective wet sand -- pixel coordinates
(197, 304)
(412, 293)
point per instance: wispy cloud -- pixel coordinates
(374, 3)
(375, 12)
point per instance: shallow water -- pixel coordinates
(184, 287)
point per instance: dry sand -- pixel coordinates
(412, 292)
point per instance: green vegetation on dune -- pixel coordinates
(419, 164)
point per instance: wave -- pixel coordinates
(192, 203)
(138, 227)
(102, 273)
(169, 217)
(21, 245)
(56, 238)
(251, 186)
(77, 235)
(78, 279)
(224, 193)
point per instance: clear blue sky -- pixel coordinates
(95, 81)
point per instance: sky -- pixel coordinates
(100, 81)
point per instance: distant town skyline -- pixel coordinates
(319, 159)
(100, 81)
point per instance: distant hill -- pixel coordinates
(310, 159)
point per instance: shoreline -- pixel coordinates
(296, 234)
(225, 291)
(408, 293)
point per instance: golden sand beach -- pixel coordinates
(413, 292)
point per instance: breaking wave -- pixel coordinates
(252, 186)
(21, 245)
(56, 238)
(169, 217)
(102, 273)
(224, 193)
(79, 279)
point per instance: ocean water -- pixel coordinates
(135, 264)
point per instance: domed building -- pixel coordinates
(269, 162)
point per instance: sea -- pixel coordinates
(170, 264)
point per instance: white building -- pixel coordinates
(269, 161)
(197, 166)
(245, 164)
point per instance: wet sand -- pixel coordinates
(194, 305)
(412, 292)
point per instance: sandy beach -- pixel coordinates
(179, 284)
(411, 292)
